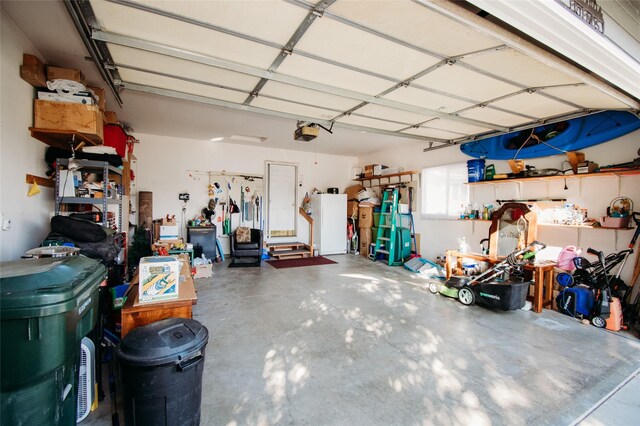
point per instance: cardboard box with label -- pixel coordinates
(159, 277)
(365, 238)
(365, 216)
(352, 209)
(352, 192)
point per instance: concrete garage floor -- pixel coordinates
(362, 343)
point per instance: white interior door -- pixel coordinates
(282, 191)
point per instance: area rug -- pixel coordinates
(244, 264)
(304, 261)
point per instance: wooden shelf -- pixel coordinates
(393, 175)
(582, 226)
(62, 138)
(630, 172)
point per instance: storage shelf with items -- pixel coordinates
(63, 138)
(630, 172)
(70, 192)
(59, 123)
(401, 178)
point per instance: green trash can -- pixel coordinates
(47, 306)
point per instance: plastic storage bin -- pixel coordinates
(161, 368)
(47, 306)
(475, 169)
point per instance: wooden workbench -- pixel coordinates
(542, 276)
(136, 314)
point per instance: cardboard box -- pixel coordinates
(365, 238)
(110, 117)
(352, 209)
(99, 93)
(68, 116)
(203, 271)
(377, 169)
(365, 216)
(54, 73)
(352, 192)
(368, 170)
(159, 277)
(32, 71)
(170, 232)
(169, 241)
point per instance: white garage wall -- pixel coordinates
(164, 162)
(595, 194)
(19, 153)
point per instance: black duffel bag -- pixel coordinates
(78, 229)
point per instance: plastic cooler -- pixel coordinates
(47, 306)
(161, 368)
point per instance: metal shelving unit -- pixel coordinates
(100, 167)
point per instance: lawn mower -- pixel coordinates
(502, 286)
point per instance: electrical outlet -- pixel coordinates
(6, 222)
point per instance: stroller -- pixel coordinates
(590, 292)
(502, 287)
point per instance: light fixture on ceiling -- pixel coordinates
(217, 139)
(245, 138)
(306, 131)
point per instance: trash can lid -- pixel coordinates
(162, 342)
(46, 286)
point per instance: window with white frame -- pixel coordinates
(444, 192)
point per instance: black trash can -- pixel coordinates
(161, 368)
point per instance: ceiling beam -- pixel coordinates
(185, 54)
(455, 60)
(316, 11)
(287, 50)
(249, 108)
(465, 17)
(82, 16)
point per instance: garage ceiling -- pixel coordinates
(409, 69)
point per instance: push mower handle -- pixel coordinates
(593, 252)
(538, 243)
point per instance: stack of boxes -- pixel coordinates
(365, 233)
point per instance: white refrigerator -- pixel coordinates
(329, 213)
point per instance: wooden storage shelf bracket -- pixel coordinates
(46, 182)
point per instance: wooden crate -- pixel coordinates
(32, 71)
(100, 94)
(54, 73)
(110, 117)
(68, 116)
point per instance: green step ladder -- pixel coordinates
(387, 228)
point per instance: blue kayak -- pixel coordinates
(554, 139)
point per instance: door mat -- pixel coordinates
(236, 264)
(304, 261)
